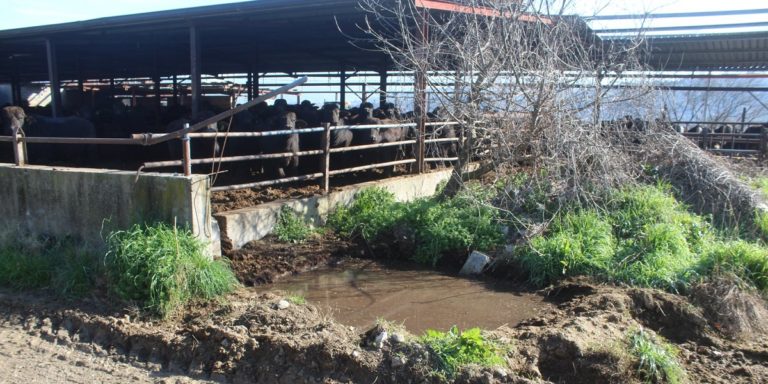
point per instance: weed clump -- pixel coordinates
(438, 226)
(657, 360)
(455, 349)
(60, 266)
(163, 268)
(749, 262)
(643, 237)
(297, 299)
(290, 227)
(581, 244)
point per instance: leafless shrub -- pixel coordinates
(537, 88)
(532, 82)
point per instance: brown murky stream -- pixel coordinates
(360, 292)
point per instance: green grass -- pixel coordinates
(643, 237)
(761, 184)
(581, 244)
(60, 266)
(656, 359)
(290, 227)
(746, 260)
(297, 299)
(440, 226)
(163, 268)
(455, 349)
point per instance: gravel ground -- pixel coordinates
(29, 359)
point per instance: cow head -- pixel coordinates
(281, 105)
(331, 114)
(286, 120)
(12, 118)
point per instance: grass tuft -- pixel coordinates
(455, 349)
(163, 268)
(290, 227)
(747, 261)
(297, 299)
(657, 360)
(439, 226)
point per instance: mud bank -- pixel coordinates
(248, 339)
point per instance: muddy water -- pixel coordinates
(363, 291)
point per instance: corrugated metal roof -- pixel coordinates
(282, 35)
(259, 35)
(716, 52)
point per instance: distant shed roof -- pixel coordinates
(271, 35)
(747, 51)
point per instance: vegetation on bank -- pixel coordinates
(157, 266)
(435, 227)
(60, 266)
(290, 228)
(455, 349)
(163, 268)
(642, 237)
(656, 359)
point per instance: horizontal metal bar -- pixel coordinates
(255, 134)
(232, 159)
(372, 166)
(734, 150)
(443, 140)
(372, 126)
(8, 139)
(442, 123)
(368, 146)
(741, 135)
(267, 183)
(717, 122)
(80, 140)
(436, 159)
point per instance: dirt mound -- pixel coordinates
(587, 339)
(263, 261)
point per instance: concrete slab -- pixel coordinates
(86, 204)
(239, 227)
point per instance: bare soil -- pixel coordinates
(263, 261)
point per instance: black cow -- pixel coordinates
(14, 118)
(340, 138)
(282, 143)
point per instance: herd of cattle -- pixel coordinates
(712, 136)
(122, 122)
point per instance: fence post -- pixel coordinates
(19, 148)
(326, 163)
(421, 147)
(763, 142)
(186, 153)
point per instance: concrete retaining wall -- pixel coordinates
(86, 204)
(238, 227)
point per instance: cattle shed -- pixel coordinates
(178, 53)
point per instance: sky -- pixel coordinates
(25, 13)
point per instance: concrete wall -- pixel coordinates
(238, 227)
(87, 203)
